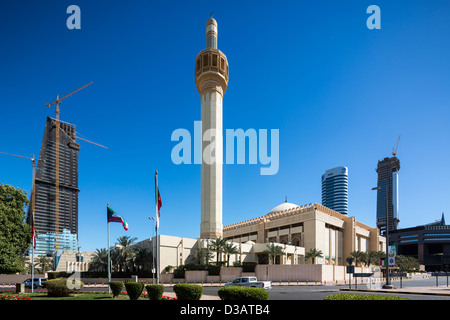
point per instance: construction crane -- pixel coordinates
(58, 102)
(33, 197)
(394, 149)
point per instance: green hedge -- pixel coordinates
(213, 270)
(243, 293)
(351, 296)
(186, 291)
(116, 287)
(59, 288)
(249, 266)
(134, 289)
(155, 291)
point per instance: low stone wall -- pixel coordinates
(282, 273)
(6, 279)
(304, 272)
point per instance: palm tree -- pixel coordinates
(359, 256)
(273, 251)
(44, 263)
(313, 254)
(218, 245)
(142, 257)
(99, 260)
(230, 249)
(203, 256)
(123, 253)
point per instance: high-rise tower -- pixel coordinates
(335, 189)
(387, 170)
(211, 78)
(61, 231)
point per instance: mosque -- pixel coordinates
(295, 228)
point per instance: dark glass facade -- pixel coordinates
(387, 195)
(47, 220)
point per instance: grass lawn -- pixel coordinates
(100, 295)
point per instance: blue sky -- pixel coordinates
(339, 93)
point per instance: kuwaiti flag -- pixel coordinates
(158, 201)
(114, 217)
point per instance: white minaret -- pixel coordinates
(211, 78)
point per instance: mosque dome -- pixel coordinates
(282, 207)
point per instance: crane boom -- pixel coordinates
(394, 149)
(58, 100)
(92, 142)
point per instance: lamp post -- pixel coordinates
(388, 284)
(153, 251)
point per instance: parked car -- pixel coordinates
(37, 282)
(250, 282)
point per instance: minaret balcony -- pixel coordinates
(211, 60)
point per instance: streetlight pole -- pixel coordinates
(153, 251)
(388, 284)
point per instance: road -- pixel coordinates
(319, 292)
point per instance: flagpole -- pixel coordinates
(157, 226)
(34, 229)
(109, 258)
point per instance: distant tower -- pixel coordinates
(387, 170)
(211, 78)
(45, 220)
(335, 189)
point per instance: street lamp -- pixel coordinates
(388, 284)
(153, 251)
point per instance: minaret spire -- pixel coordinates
(211, 33)
(211, 78)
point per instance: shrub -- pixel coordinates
(116, 287)
(249, 266)
(134, 289)
(243, 293)
(185, 291)
(155, 291)
(58, 287)
(213, 270)
(350, 296)
(179, 272)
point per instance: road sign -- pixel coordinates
(350, 269)
(397, 274)
(362, 275)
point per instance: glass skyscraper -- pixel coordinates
(335, 189)
(387, 170)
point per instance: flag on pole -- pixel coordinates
(159, 204)
(114, 217)
(34, 234)
(158, 200)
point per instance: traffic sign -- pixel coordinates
(362, 275)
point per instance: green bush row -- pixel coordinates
(213, 270)
(243, 293)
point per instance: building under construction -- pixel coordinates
(56, 190)
(387, 195)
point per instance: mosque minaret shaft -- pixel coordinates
(211, 78)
